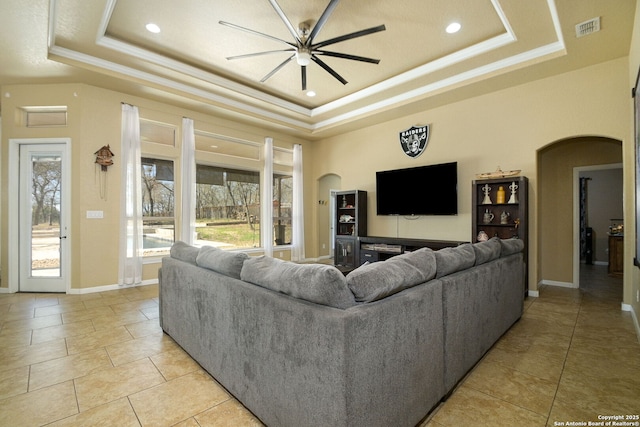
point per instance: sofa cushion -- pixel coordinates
(221, 261)
(184, 252)
(511, 246)
(318, 283)
(450, 260)
(487, 251)
(377, 280)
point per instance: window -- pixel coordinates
(282, 204)
(50, 116)
(157, 133)
(227, 207)
(157, 206)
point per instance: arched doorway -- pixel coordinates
(556, 170)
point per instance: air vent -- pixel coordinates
(587, 27)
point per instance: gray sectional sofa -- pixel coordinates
(303, 345)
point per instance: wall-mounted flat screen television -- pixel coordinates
(422, 190)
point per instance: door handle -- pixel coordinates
(63, 237)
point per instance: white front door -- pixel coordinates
(43, 218)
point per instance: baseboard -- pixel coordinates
(534, 294)
(559, 284)
(75, 291)
(634, 316)
(601, 263)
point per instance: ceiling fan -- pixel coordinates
(303, 49)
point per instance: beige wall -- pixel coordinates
(504, 128)
(94, 117)
(632, 273)
(556, 200)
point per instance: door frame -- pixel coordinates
(13, 216)
(576, 213)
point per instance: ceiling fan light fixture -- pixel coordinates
(303, 57)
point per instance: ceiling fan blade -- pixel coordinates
(321, 21)
(328, 69)
(346, 56)
(278, 68)
(304, 77)
(349, 36)
(251, 55)
(286, 21)
(257, 33)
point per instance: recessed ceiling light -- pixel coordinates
(454, 27)
(311, 93)
(152, 28)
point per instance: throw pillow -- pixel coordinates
(487, 251)
(450, 260)
(184, 252)
(220, 261)
(318, 283)
(511, 246)
(377, 280)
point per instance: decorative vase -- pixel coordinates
(513, 187)
(500, 195)
(487, 200)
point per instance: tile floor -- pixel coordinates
(102, 359)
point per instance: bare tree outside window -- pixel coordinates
(158, 203)
(46, 180)
(227, 207)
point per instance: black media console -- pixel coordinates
(374, 249)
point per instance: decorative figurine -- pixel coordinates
(482, 236)
(513, 187)
(487, 217)
(504, 218)
(487, 199)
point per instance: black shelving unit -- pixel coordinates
(507, 218)
(351, 223)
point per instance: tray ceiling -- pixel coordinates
(106, 43)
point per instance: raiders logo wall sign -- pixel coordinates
(414, 140)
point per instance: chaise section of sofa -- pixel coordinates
(480, 303)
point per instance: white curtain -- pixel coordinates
(297, 238)
(266, 203)
(188, 224)
(130, 267)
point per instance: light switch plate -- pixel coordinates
(95, 214)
